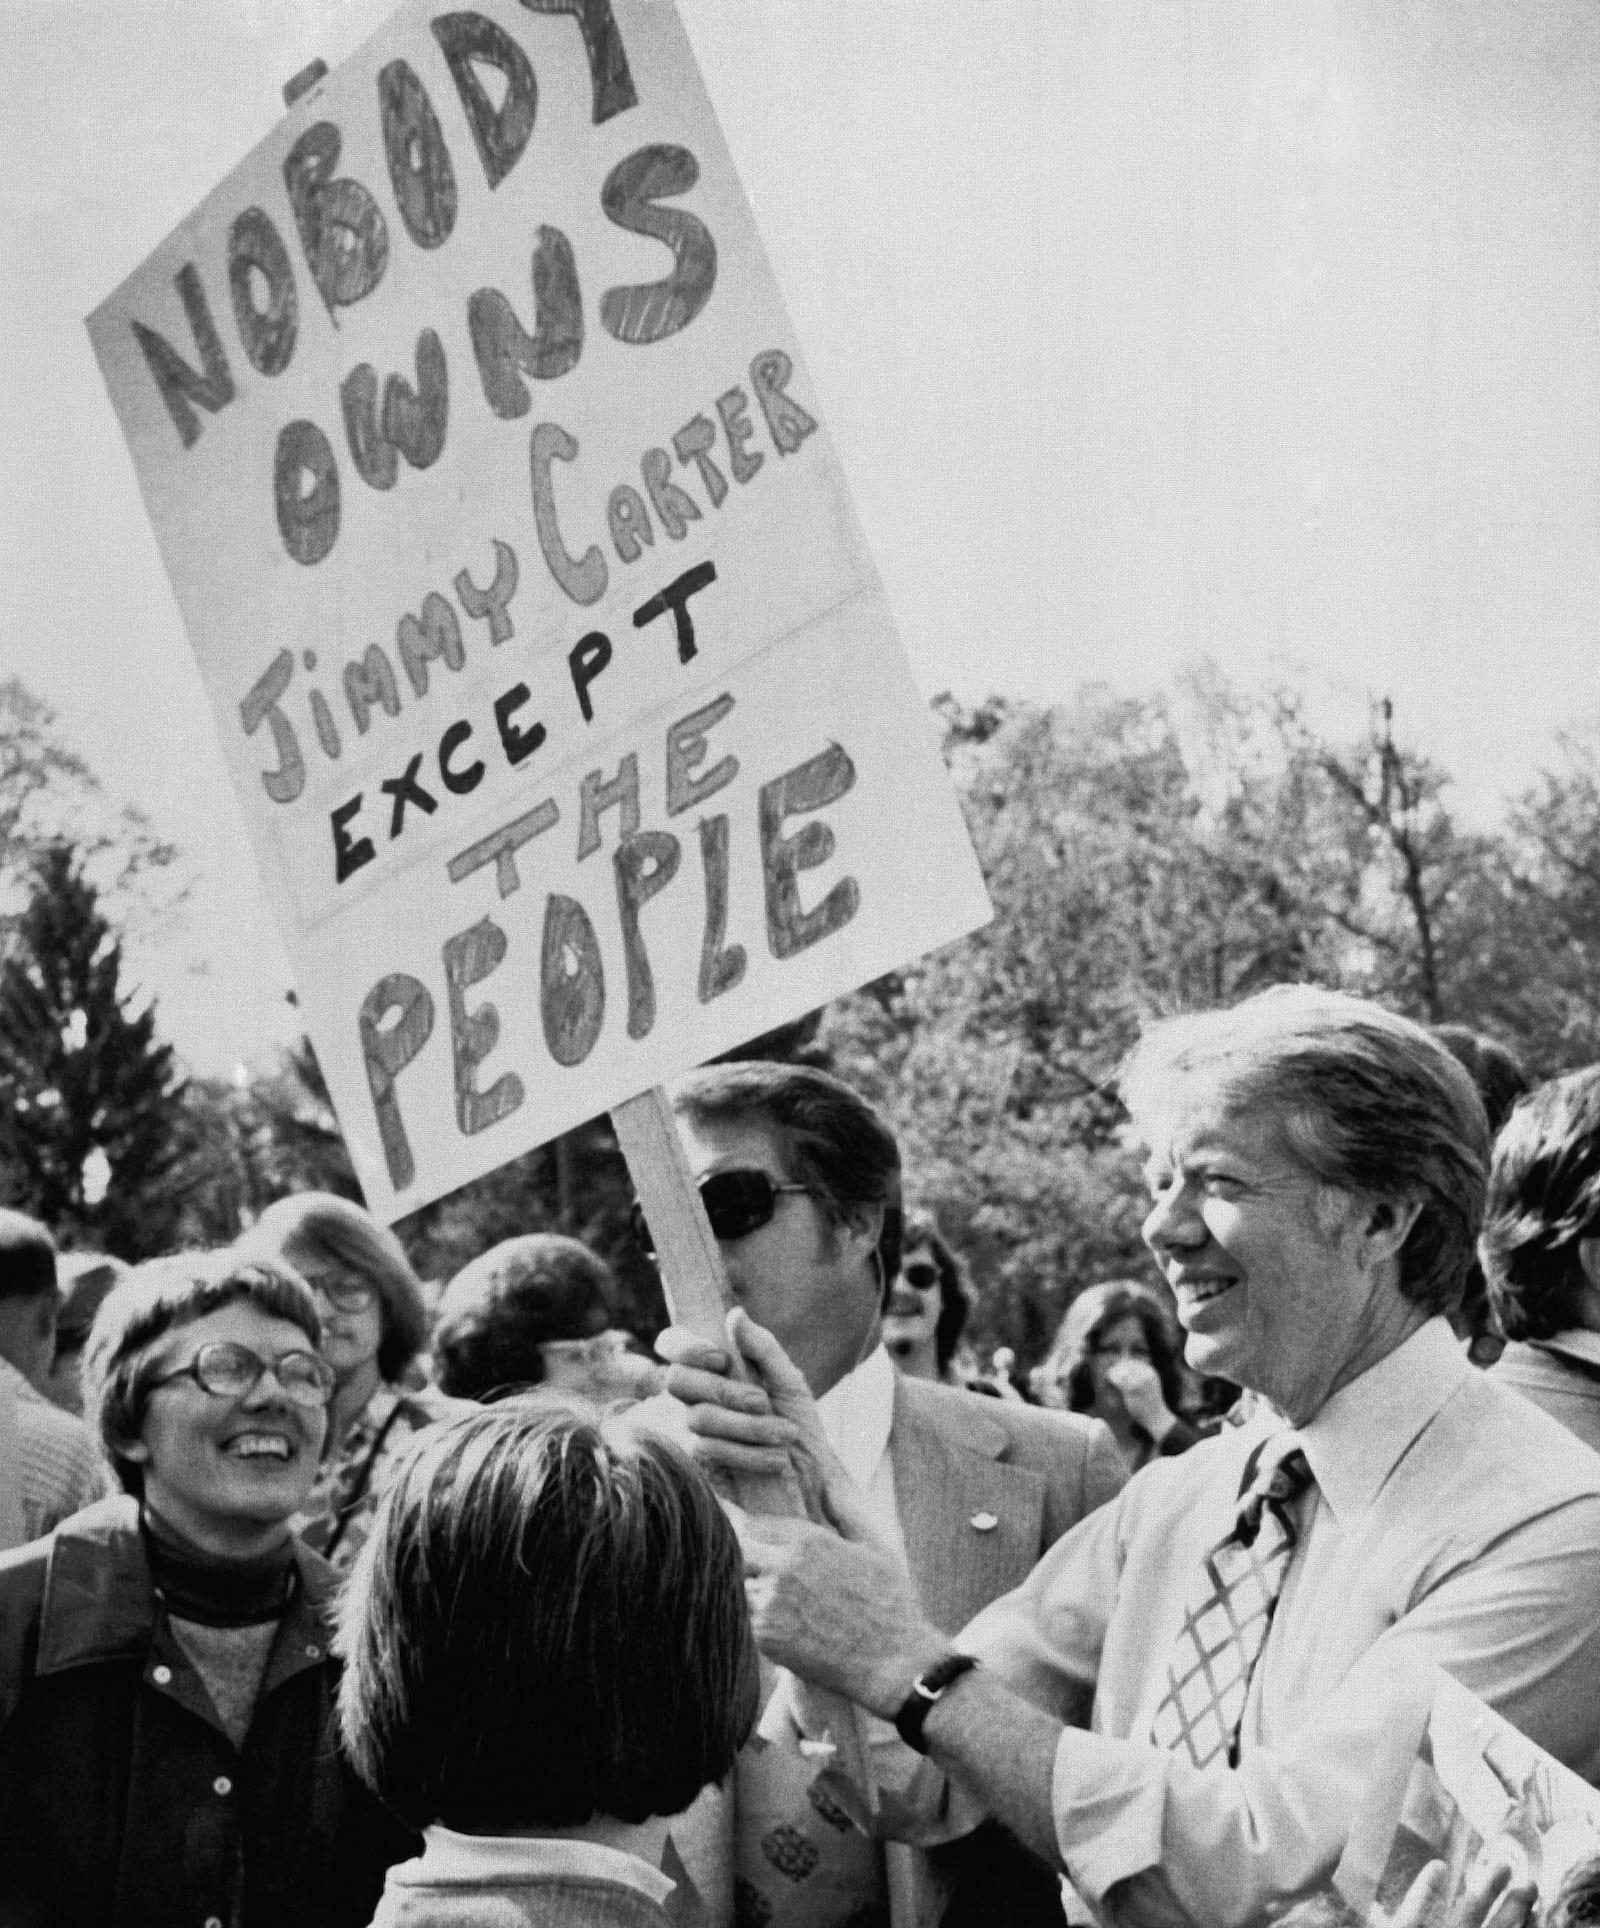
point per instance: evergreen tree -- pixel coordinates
(91, 1120)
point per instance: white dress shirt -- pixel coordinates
(857, 1416)
(1451, 1523)
(451, 1859)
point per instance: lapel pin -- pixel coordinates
(985, 1522)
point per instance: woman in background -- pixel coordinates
(547, 1654)
(534, 1311)
(373, 1326)
(85, 1279)
(1116, 1357)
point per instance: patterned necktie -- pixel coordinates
(1225, 1625)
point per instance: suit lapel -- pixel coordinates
(972, 1522)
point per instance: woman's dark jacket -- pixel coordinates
(123, 1804)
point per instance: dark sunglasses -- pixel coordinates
(737, 1203)
(227, 1371)
(920, 1275)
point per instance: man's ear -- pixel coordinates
(866, 1221)
(863, 1226)
(1388, 1224)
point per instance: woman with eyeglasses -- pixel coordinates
(373, 1326)
(166, 1685)
(534, 1311)
(928, 1304)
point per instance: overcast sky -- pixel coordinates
(1145, 328)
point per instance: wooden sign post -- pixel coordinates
(698, 1299)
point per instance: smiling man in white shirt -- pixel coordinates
(1255, 1614)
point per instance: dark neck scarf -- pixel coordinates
(197, 1586)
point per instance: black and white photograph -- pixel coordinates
(800, 964)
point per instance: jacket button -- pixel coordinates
(213, 1921)
(222, 1785)
(313, 1652)
(161, 1675)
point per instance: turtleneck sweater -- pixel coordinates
(224, 1614)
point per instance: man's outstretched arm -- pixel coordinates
(840, 1615)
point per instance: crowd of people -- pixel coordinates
(329, 1597)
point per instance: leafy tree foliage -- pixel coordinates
(1150, 854)
(1145, 854)
(48, 796)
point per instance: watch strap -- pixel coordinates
(926, 1692)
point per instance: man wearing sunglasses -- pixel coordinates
(800, 1179)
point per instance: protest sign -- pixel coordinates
(556, 682)
(1469, 1779)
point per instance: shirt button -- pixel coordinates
(161, 1675)
(213, 1921)
(222, 1785)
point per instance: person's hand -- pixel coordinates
(1140, 1386)
(731, 1418)
(1499, 1892)
(765, 1425)
(839, 1613)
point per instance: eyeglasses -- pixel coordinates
(227, 1371)
(737, 1203)
(345, 1295)
(599, 1349)
(921, 1275)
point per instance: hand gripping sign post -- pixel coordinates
(556, 682)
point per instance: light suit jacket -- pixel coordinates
(962, 1461)
(984, 1487)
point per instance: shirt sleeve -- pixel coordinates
(1045, 1637)
(1183, 1435)
(1044, 1646)
(1107, 1471)
(1152, 1841)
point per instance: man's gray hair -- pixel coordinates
(1370, 1103)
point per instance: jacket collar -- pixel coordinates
(99, 1603)
(920, 1406)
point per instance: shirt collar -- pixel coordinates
(99, 1604)
(21, 1386)
(1359, 1436)
(1575, 1342)
(857, 1414)
(449, 1856)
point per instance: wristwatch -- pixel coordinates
(926, 1691)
